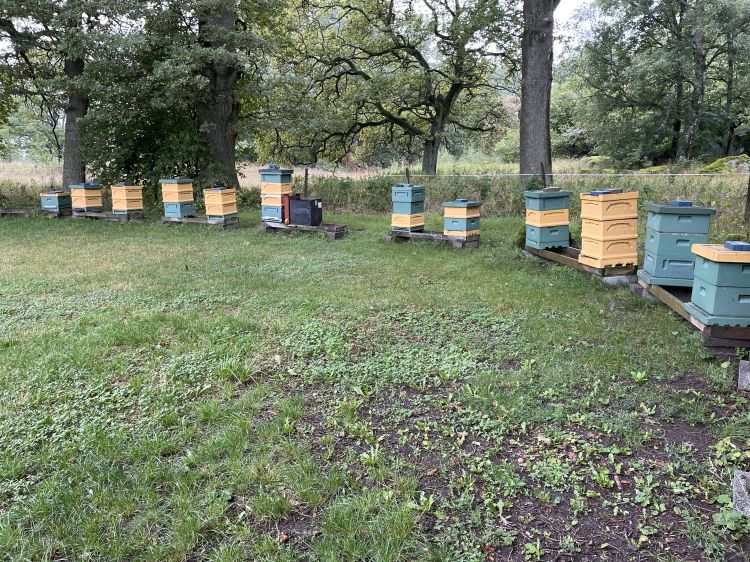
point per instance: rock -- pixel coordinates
(743, 381)
(618, 280)
(741, 492)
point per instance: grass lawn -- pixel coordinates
(181, 393)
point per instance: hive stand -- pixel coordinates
(332, 231)
(226, 224)
(8, 212)
(459, 243)
(109, 216)
(569, 256)
(721, 340)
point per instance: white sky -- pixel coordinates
(566, 8)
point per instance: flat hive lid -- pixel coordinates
(462, 203)
(609, 196)
(176, 180)
(720, 253)
(671, 209)
(546, 194)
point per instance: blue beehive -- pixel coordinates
(179, 210)
(721, 288)
(543, 200)
(407, 193)
(670, 234)
(408, 207)
(56, 201)
(272, 213)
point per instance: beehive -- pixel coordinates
(408, 207)
(547, 218)
(86, 196)
(609, 233)
(275, 182)
(127, 199)
(221, 202)
(467, 223)
(671, 231)
(177, 197)
(721, 285)
(55, 201)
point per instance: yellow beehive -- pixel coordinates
(85, 198)
(720, 253)
(461, 212)
(270, 188)
(461, 233)
(176, 191)
(407, 221)
(554, 217)
(617, 229)
(127, 198)
(609, 206)
(220, 202)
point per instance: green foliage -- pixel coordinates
(728, 164)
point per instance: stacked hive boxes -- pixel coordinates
(221, 204)
(408, 207)
(609, 228)
(721, 288)
(177, 196)
(671, 232)
(547, 218)
(461, 218)
(86, 196)
(275, 182)
(56, 202)
(127, 199)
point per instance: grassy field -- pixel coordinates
(181, 393)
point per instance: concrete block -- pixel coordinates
(743, 380)
(741, 492)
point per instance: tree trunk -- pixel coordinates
(218, 111)
(74, 168)
(729, 137)
(699, 86)
(430, 155)
(677, 122)
(536, 84)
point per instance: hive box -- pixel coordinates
(617, 229)
(408, 208)
(55, 201)
(274, 174)
(407, 221)
(547, 200)
(272, 188)
(272, 213)
(407, 193)
(179, 210)
(177, 190)
(721, 287)
(127, 199)
(461, 233)
(671, 232)
(553, 217)
(461, 224)
(609, 206)
(86, 196)
(543, 237)
(220, 201)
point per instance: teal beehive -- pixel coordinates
(543, 237)
(670, 234)
(408, 207)
(721, 289)
(549, 199)
(450, 223)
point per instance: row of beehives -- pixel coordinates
(677, 253)
(177, 198)
(460, 216)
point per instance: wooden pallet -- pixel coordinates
(719, 338)
(7, 212)
(569, 256)
(333, 231)
(228, 224)
(459, 243)
(109, 216)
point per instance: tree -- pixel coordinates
(48, 44)
(536, 85)
(415, 70)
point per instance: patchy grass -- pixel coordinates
(171, 393)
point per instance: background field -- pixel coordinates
(178, 393)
